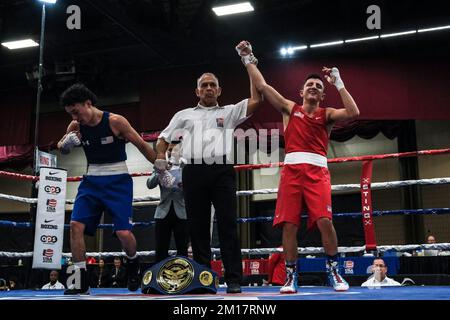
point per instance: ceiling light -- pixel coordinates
(233, 8)
(361, 39)
(325, 44)
(48, 1)
(434, 29)
(397, 34)
(19, 44)
(300, 48)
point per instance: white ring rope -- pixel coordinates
(339, 187)
(20, 199)
(259, 251)
(357, 187)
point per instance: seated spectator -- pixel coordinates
(431, 252)
(379, 277)
(54, 284)
(118, 274)
(431, 239)
(100, 275)
(14, 283)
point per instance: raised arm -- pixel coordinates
(255, 99)
(276, 99)
(350, 108)
(123, 129)
(70, 139)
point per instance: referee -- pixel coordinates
(208, 178)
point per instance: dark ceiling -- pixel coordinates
(121, 38)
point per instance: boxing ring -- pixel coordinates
(269, 292)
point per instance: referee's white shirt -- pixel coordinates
(207, 132)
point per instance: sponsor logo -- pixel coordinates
(53, 179)
(49, 226)
(53, 173)
(52, 189)
(329, 208)
(348, 267)
(48, 221)
(47, 255)
(49, 239)
(51, 205)
(254, 267)
(349, 264)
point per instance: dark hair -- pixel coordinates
(77, 93)
(313, 76)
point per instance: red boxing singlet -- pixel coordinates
(307, 134)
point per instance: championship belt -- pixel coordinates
(179, 275)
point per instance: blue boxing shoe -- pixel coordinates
(334, 278)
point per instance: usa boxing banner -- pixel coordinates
(366, 204)
(49, 229)
(44, 159)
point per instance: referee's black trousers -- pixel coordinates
(205, 184)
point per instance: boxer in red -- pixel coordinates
(305, 180)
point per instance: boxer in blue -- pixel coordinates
(107, 186)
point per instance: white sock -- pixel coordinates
(81, 265)
(133, 257)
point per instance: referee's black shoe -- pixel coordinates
(233, 287)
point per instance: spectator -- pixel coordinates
(14, 283)
(170, 215)
(54, 284)
(431, 239)
(100, 276)
(118, 274)
(431, 252)
(379, 277)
